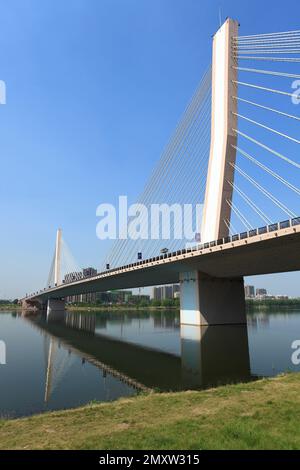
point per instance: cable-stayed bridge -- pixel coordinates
(235, 152)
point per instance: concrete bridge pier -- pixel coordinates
(55, 309)
(206, 300)
(32, 305)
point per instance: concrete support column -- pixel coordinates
(32, 305)
(206, 300)
(55, 309)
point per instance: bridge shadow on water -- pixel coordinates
(201, 357)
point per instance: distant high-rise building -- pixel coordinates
(165, 292)
(136, 299)
(157, 293)
(71, 277)
(249, 292)
(115, 296)
(89, 272)
(90, 297)
(76, 276)
(119, 296)
(103, 297)
(261, 292)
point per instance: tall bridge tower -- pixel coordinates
(57, 258)
(55, 307)
(206, 300)
(223, 121)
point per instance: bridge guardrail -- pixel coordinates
(222, 241)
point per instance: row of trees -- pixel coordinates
(167, 303)
(8, 302)
(269, 303)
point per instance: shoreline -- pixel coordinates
(250, 307)
(100, 308)
(117, 308)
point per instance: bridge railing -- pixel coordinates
(222, 241)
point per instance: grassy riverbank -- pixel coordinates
(259, 415)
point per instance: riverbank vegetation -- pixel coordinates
(152, 304)
(9, 304)
(251, 304)
(269, 304)
(257, 415)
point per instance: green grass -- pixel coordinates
(258, 415)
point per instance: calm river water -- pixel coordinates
(70, 360)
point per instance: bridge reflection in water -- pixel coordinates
(206, 356)
(213, 355)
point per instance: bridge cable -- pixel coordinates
(266, 108)
(264, 35)
(270, 196)
(143, 201)
(170, 155)
(134, 248)
(268, 170)
(246, 198)
(239, 214)
(267, 128)
(266, 72)
(270, 59)
(265, 147)
(271, 90)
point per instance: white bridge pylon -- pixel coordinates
(223, 138)
(57, 261)
(205, 300)
(63, 262)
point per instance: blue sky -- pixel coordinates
(94, 90)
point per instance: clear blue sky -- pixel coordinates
(94, 90)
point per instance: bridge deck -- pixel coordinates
(272, 252)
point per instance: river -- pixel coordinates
(75, 358)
